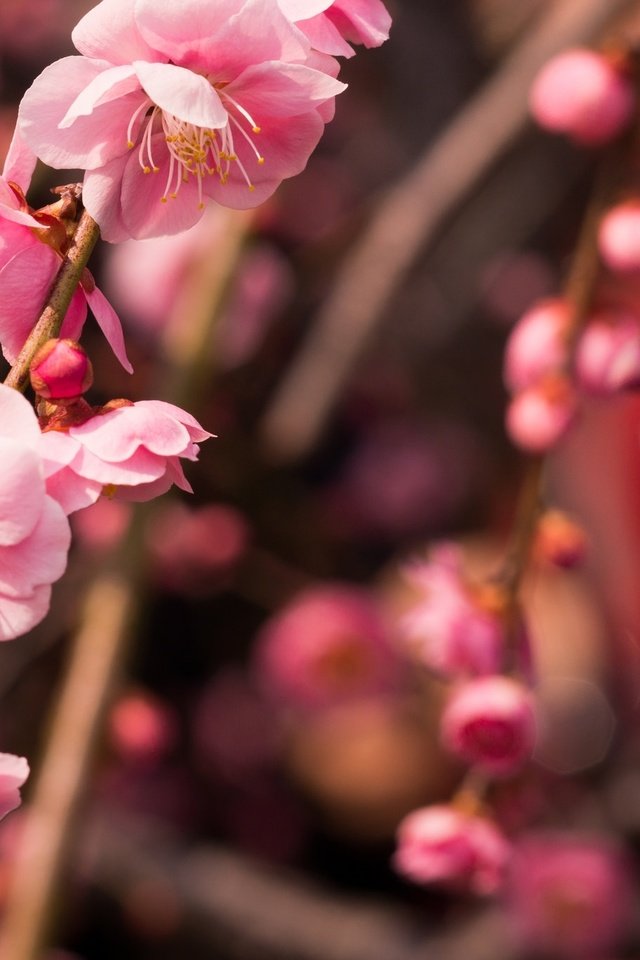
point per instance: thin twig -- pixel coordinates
(65, 285)
(409, 217)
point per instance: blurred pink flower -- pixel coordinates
(538, 417)
(34, 532)
(13, 774)
(536, 345)
(569, 896)
(607, 355)
(328, 645)
(619, 237)
(142, 727)
(132, 450)
(441, 845)
(172, 104)
(490, 723)
(448, 627)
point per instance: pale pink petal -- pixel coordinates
(25, 282)
(361, 21)
(109, 323)
(13, 239)
(20, 162)
(75, 317)
(279, 90)
(144, 491)
(17, 419)
(101, 197)
(325, 36)
(21, 491)
(57, 450)
(13, 774)
(107, 86)
(117, 435)
(72, 491)
(39, 559)
(182, 93)
(109, 31)
(19, 216)
(196, 431)
(91, 141)
(303, 9)
(141, 467)
(18, 616)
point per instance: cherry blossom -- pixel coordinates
(34, 532)
(171, 104)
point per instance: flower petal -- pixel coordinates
(18, 616)
(108, 85)
(17, 419)
(276, 89)
(20, 162)
(39, 559)
(21, 491)
(24, 284)
(109, 322)
(13, 773)
(117, 435)
(182, 93)
(109, 31)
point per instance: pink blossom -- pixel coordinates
(31, 252)
(608, 353)
(441, 845)
(330, 23)
(448, 628)
(490, 723)
(13, 774)
(132, 451)
(142, 727)
(538, 417)
(582, 94)
(559, 540)
(61, 370)
(619, 237)
(173, 104)
(536, 345)
(328, 645)
(34, 532)
(570, 896)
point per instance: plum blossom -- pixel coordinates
(131, 450)
(448, 627)
(329, 24)
(34, 532)
(173, 104)
(442, 845)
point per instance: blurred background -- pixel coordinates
(267, 731)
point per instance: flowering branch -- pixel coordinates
(84, 240)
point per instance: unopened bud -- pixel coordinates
(560, 540)
(61, 370)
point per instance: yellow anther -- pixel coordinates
(260, 160)
(256, 129)
(130, 144)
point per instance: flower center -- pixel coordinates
(194, 151)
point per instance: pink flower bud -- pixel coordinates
(143, 728)
(490, 723)
(559, 540)
(581, 94)
(61, 370)
(619, 237)
(608, 354)
(539, 416)
(536, 345)
(441, 845)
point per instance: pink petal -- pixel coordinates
(41, 558)
(75, 317)
(182, 93)
(57, 450)
(21, 491)
(13, 239)
(72, 491)
(18, 616)
(109, 31)
(108, 85)
(101, 197)
(196, 431)
(361, 21)
(303, 9)
(109, 323)
(141, 467)
(325, 36)
(20, 162)
(282, 90)
(13, 774)
(17, 419)
(92, 140)
(116, 436)
(25, 282)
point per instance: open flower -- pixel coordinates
(172, 104)
(34, 532)
(131, 450)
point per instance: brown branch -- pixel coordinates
(50, 321)
(408, 218)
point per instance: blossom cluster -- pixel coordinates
(166, 107)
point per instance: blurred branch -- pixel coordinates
(113, 602)
(409, 217)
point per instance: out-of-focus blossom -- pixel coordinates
(192, 549)
(450, 628)
(142, 728)
(490, 723)
(13, 774)
(559, 540)
(441, 845)
(328, 645)
(608, 353)
(61, 370)
(100, 526)
(131, 449)
(34, 532)
(569, 896)
(171, 105)
(538, 417)
(619, 237)
(580, 93)
(536, 345)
